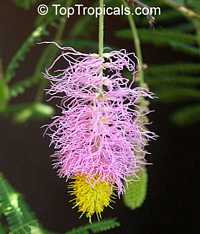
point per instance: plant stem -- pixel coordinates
(101, 29)
(137, 47)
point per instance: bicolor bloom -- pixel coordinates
(98, 134)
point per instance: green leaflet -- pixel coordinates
(97, 227)
(4, 94)
(187, 116)
(136, 191)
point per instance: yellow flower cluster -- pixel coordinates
(91, 195)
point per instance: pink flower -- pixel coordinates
(98, 133)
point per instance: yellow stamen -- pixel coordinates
(91, 195)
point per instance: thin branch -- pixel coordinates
(137, 47)
(151, 19)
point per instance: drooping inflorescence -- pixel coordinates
(97, 138)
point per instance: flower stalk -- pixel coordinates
(101, 29)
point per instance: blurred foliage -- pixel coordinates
(176, 30)
(187, 115)
(26, 4)
(21, 220)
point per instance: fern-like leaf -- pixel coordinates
(97, 227)
(20, 55)
(163, 36)
(179, 41)
(19, 217)
(104, 226)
